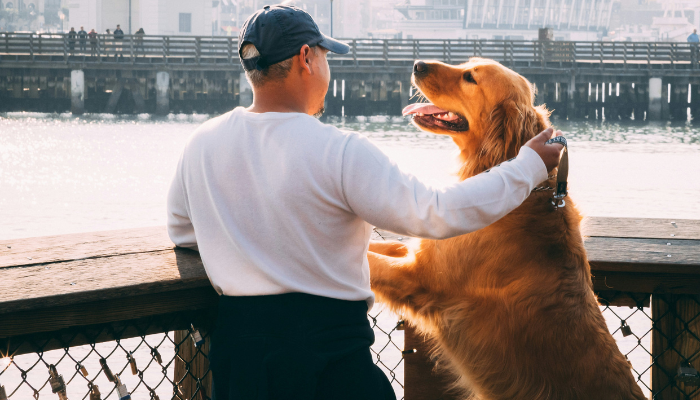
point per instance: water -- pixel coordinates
(62, 174)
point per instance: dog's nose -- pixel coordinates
(419, 67)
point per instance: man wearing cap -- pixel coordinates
(281, 207)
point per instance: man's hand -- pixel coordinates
(549, 153)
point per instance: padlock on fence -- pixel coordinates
(82, 369)
(196, 337)
(202, 394)
(108, 372)
(688, 375)
(95, 393)
(625, 329)
(156, 354)
(132, 363)
(401, 325)
(58, 385)
(3, 395)
(122, 392)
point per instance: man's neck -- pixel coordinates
(278, 98)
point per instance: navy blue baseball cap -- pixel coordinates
(279, 32)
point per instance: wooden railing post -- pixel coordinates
(197, 48)
(165, 45)
(188, 354)
(230, 50)
(65, 48)
(674, 340)
(354, 51)
(386, 52)
(31, 45)
(131, 47)
(100, 44)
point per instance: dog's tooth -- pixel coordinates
(450, 114)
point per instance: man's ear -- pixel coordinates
(305, 58)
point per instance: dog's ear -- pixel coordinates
(509, 127)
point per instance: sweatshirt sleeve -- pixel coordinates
(377, 191)
(179, 225)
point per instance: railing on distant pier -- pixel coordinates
(128, 302)
(216, 50)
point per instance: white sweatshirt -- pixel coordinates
(279, 202)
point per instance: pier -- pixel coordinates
(64, 291)
(164, 74)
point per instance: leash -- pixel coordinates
(562, 175)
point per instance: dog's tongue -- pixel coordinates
(423, 108)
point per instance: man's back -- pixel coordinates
(265, 186)
(693, 38)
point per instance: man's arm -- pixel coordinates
(380, 193)
(179, 225)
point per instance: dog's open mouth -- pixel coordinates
(428, 115)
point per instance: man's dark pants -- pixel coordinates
(294, 346)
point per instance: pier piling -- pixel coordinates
(655, 97)
(162, 93)
(77, 92)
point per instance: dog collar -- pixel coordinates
(562, 173)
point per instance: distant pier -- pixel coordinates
(164, 74)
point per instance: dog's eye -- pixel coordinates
(469, 78)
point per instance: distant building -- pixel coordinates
(505, 19)
(156, 17)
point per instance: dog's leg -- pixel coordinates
(391, 249)
(397, 283)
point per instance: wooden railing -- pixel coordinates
(54, 289)
(37, 48)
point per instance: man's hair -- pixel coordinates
(274, 72)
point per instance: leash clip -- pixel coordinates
(562, 174)
(558, 201)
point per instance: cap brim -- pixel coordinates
(333, 45)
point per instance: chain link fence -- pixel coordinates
(130, 359)
(165, 356)
(142, 359)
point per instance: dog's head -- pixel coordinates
(486, 108)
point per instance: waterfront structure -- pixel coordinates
(156, 17)
(505, 19)
(164, 74)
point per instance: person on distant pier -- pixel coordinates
(118, 38)
(280, 207)
(693, 38)
(93, 42)
(82, 36)
(71, 40)
(106, 43)
(139, 40)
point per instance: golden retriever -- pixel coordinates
(510, 307)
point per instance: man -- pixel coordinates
(693, 38)
(82, 36)
(279, 206)
(93, 42)
(71, 40)
(118, 37)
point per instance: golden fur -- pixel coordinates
(511, 306)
